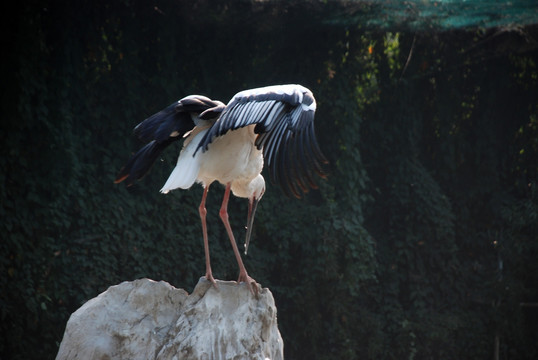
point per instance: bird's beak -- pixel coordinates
(252, 204)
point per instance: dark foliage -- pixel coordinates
(422, 244)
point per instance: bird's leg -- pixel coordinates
(243, 276)
(203, 213)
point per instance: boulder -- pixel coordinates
(145, 319)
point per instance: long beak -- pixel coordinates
(252, 204)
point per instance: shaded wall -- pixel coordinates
(421, 244)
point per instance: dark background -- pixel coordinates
(422, 243)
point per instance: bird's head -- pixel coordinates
(253, 191)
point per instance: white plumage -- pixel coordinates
(188, 166)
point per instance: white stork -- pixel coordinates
(229, 144)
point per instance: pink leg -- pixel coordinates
(203, 213)
(243, 276)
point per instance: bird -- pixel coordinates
(271, 126)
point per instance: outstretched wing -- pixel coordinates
(175, 120)
(283, 116)
(163, 129)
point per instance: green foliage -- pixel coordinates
(420, 244)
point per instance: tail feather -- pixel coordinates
(183, 176)
(140, 163)
(187, 169)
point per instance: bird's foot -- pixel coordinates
(209, 277)
(251, 283)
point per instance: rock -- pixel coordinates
(144, 319)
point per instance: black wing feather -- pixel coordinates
(284, 121)
(162, 129)
(140, 163)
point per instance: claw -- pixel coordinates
(251, 283)
(209, 277)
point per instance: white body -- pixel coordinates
(230, 158)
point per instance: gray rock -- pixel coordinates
(144, 319)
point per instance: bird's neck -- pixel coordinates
(248, 188)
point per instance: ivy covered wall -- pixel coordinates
(421, 244)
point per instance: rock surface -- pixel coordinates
(144, 319)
